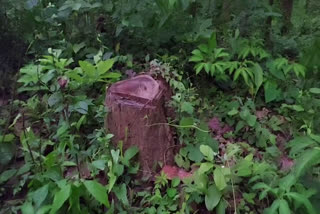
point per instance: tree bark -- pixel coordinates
(137, 117)
(286, 6)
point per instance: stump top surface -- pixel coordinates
(143, 86)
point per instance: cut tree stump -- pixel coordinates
(137, 116)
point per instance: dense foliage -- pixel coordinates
(246, 94)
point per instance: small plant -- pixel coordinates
(210, 59)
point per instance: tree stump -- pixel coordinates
(137, 116)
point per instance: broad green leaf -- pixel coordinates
(314, 90)
(88, 68)
(308, 159)
(212, 44)
(270, 91)
(27, 208)
(299, 144)
(187, 107)
(199, 67)
(303, 200)
(121, 193)
(44, 209)
(115, 155)
(7, 138)
(175, 182)
(129, 154)
(221, 208)
(118, 169)
(233, 112)
(186, 121)
(40, 195)
(6, 175)
(110, 75)
(284, 207)
(196, 58)
(207, 67)
(204, 167)
(99, 164)
(212, 197)
(172, 192)
(104, 66)
(98, 191)
(77, 47)
(201, 181)
(207, 152)
(219, 179)
(197, 52)
(258, 76)
(60, 197)
(82, 106)
(55, 98)
(274, 207)
(194, 153)
(203, 48)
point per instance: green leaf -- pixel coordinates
(303, 200)
(99, 164)
(7, 138)
(219, 179)
(40, 195)
(121, 193)
(82, 106)
(60, 197)
(199, 67)
(27, 208)
(222, 206)
(270, 91)
(233, 112)
(115, 155)
(249, 118)
(274, 207)
(258, 76)
(186, 121)
(129, 154)
(175, 182)
(212, 197)
(6, 175)
(77, 47)
(196, 52)
(194, 153)
(308, 159)
(172, 192)
(187, 107)
(111, 75)
(212, 44)
(196, 58)
(98, 191)
(203, 48)
(204, 167)
(88, 68)
(207, 152)
(54, 99)
(284, 207)
(104, 66)
(314, 90)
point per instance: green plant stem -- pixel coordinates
(25, 137)
(178, 126)
(233, 192)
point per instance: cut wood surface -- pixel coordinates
(137, 116)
